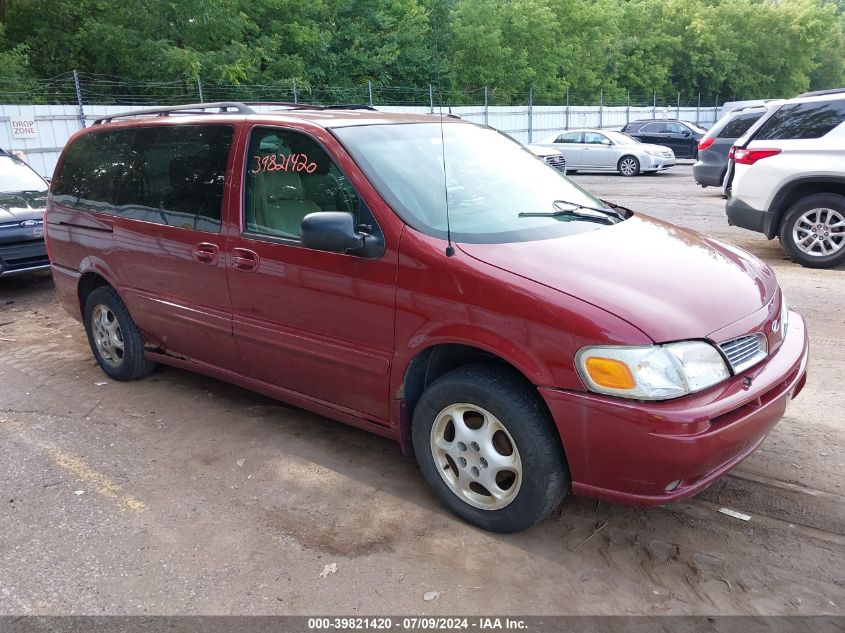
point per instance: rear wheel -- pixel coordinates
(487, 447)
(628, 166)
(813, 231)
(115, 340)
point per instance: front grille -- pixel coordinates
(558, 162)
(745, 351)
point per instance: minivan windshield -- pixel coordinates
(497, 190)
(16, 175)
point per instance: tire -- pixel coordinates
(571, 171)
(820, 216)
(113, 336)
(499, 409)
(628, 165)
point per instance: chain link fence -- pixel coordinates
(59, 106)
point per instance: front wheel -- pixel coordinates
(813, 231)
(487, 447)
(628, 166)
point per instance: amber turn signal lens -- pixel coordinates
(610, 373)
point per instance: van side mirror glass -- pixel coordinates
(335, 232)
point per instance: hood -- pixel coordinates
(20, 206)
(648, 146)
(669, 282)
(543, 150)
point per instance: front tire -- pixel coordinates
(628, 166)
(812, 233)
(115, 340)
(487, 447)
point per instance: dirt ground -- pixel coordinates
(179, 494)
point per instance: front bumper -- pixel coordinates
(745, 216)
(630, 452)
(658, 164)
(23, 257)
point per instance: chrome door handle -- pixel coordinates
(244, 260)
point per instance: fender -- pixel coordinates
(488, 341)
(782, 199)
(93, 264)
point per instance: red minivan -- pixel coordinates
(431, 281)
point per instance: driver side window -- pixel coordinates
(290, 175)
(594, 138)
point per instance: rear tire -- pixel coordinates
(115, 340)
(628, 166)
(488, 448)
(812, 232)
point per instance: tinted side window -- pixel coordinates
(175, 176)
(572, 137)
(675, 128)
(288, 176)
(655, 128)
(93, 167)
(803, 120)
(739, 125)
(594, 138)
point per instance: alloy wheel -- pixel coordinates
(628, 166)
(819, 232)
(108, 337)
(476, 456)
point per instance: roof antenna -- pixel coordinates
(450, 250)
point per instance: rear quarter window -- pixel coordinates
(739, 126)
(92, 168)
(803, 120)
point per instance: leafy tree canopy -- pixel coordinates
(748, 48)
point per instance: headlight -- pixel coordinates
(653, 372)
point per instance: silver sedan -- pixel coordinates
(606, 150)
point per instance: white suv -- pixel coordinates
(786, 178)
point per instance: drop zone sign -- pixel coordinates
(23, 128)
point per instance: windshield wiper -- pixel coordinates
(573, 208)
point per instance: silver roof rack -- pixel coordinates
(222, 107)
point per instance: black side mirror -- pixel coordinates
(686, 132)
(335, 231)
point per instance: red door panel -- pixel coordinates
(314, 322)
(317, 323)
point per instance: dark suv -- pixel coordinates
(712, 164)
(681, 136)
(23, 198)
